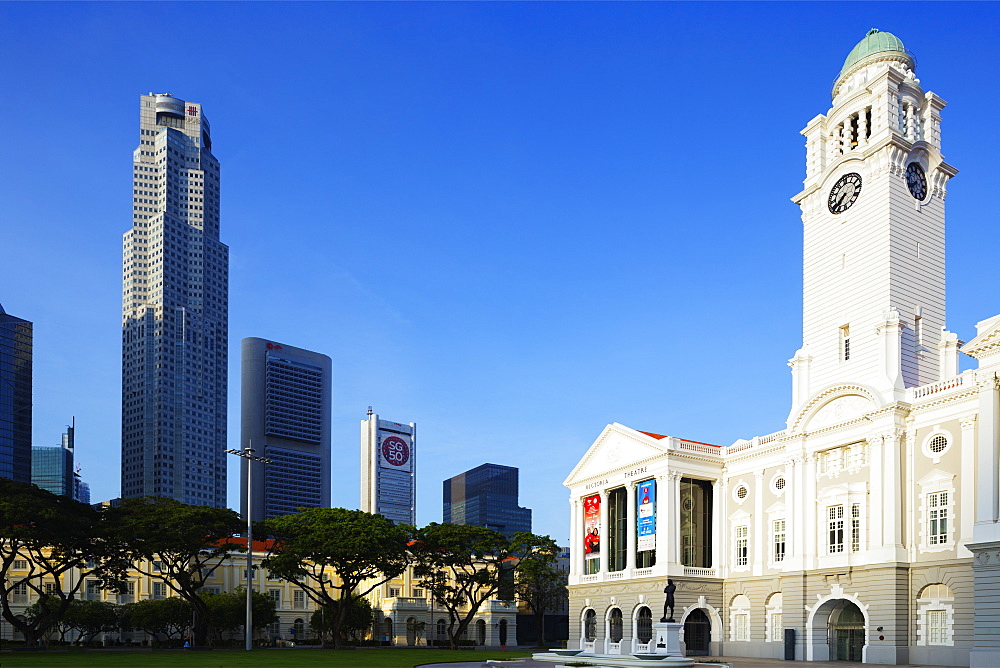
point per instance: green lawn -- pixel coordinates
(263, 658)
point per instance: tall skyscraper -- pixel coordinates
(52, 466)
(389, 469)
(285, 417)
(486, 496)
(175, 303)
(15, 398)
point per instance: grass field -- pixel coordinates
(262, 658)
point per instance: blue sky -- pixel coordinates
(510, 223)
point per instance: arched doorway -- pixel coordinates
(503, 632)
(697, 633)
(387, 637)
(589, 629)
(480, 632)
(643, 629)
(847, 633)
(411, 631)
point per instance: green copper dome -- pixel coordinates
(875, 42)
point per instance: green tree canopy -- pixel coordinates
(169, 617)
(463, 566)
(357, 620)
(335, 554)
(93, 617)
(542, 586)
(227, 612)
(52, 535)
(179, 545)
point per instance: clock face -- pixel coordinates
(916, 181)
(395, 451)
(844, 193)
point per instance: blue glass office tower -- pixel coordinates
(15, 397)
(486, 496)
(52, 466)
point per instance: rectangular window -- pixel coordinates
(299, 599)
(835, 525)
(393, 592)
(159, 590)
(937, 627)
(742, 551)
(778, 531)
(742, 630)
(21, 593)
(855, 527)
(275, 595)
(93, 590)
(696, 522)
(937, 530)
(418, 592)
(21, 564)
(777, 627)
(618, 529)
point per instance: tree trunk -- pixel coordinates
(540, 627)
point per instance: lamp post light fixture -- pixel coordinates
(247, 454)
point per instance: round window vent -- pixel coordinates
(741, 492)
(779, 483)
(938, 444)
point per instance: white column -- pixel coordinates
(759, 536)
(605, 533)
(795, 512)
(892, 530)
(967, 495)
(630, 527)
(665, 509)
(674, 549)
(575, 543)
(875, 510)
(988, 479)
(809, 509)
(862, 127)
(718, 521)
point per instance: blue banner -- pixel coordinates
(645, 515)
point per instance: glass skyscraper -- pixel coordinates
(486, 496)
(15, 397)
(175, 305)
(52, 467)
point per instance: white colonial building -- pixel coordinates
(866, 530)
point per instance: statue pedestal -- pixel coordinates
(667, 638)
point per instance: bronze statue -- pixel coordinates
(669, 602)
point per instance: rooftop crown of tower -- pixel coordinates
(876, 46)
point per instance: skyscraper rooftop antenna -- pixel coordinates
(369, 411)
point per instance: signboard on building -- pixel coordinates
(592, 526)
(645, 503)
(388, 469)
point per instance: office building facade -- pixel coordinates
(486, 496)
(52, 466)
(285, 417)
(15, 397)
(389, 469)
(175, 330)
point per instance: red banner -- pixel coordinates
(592, 525)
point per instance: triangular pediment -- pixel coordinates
(617, 447)
(987, 342)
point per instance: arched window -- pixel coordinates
(739, 619)
(411, 631)
(935, 615)
(590, 625)
(774, 621)
(615, 626)
(441, 629)
(644, 625)
(480, 632)
(503, 631)
(299, 627)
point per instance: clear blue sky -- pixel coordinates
(510, 223)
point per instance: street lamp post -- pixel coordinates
(247, 454)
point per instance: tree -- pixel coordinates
(357, 620)
(542, 586)
(335, 554)
(169, 617)
(89, 618)
(463, 566)
(52, 535)
(227, 611)
(179, 545)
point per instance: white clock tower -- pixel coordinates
(873, 225)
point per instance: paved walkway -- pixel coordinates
(735, 661)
